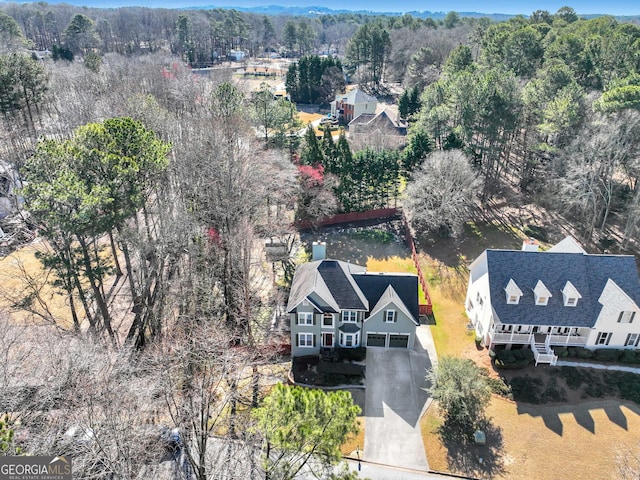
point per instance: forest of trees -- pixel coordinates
(152, 187)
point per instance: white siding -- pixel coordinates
(479, 312)
(613, 301)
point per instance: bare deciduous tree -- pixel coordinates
(442, 192)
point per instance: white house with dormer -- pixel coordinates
(560, 297)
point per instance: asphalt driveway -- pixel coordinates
(395, 399)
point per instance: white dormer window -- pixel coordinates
(570, 295)
(541, 293)
(390, 316)
(513, 292)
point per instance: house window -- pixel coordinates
(306, 340)
(632, 340)
(390, 316)
(327, 320)
(349, 316)
(603, 338)
(479, 299)
(626, 317)
(349, 340)
(541, 301)
(469, 305)
(571, 302)
(513, 299)
(305, 318)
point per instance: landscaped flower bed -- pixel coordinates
(311, 370)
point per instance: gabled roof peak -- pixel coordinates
(541, 290)
(570, 290)
(567, 245)
(512, 289)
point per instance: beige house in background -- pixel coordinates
(384, 130)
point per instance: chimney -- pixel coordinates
(530, 245)
(318, 251)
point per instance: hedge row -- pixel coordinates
(601, 354)
(519, 358)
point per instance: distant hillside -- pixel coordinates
(315, 10)
(290, 10)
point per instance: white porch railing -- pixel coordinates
(510, 337)
(549, 358)
(568, 340)
(526, 338)
(543, 353)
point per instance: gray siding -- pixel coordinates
(297, 350)
(403, 324)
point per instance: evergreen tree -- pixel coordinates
(418, 147)
(301, 426)
(462, 393)
(314, 79)
(368, 50)
(311, 152)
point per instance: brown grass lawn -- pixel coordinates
(577, 441)
(21, 273)
(545, 442)
(354, 442)
(307, 118)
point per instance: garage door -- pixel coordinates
(376, 340)
(398, 341)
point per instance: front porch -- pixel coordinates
(577, 339)
(541, 340)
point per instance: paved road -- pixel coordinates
(395, 400)
(381, 472)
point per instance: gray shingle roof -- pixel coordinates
(339, 285)
(357, 96)
(349, 287)
(406, 286)
(349, 328)
(588, 273)
(326, 280)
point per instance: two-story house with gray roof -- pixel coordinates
(338, 304)
(561, 297)
(351, 105)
